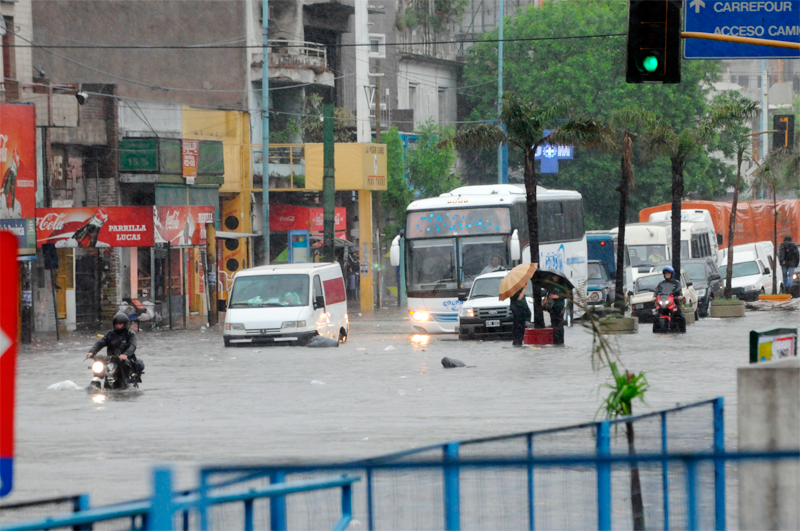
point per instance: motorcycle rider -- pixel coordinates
(121, 341)
(676, 290)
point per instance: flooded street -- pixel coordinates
(203, 403)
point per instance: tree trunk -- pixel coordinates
(732, 225)
(532, 207)
(625, 180)
(637, 504)
(678, 162)
(775, 243)
(532, 211)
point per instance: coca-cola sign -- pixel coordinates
(182, 225)
(291, 217)
(95, 227)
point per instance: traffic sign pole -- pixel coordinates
(9, 308)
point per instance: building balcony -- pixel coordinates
(295, 62)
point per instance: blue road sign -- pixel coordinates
(550, 155)
(777, 20)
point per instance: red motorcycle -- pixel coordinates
(667, 316)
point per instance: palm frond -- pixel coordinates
(482, 135)
(585, 132)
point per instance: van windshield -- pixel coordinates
(644, 255)
(744, 269)
(270, 290)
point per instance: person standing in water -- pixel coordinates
(520, 313)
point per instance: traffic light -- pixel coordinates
(654, 41)
(783, 125)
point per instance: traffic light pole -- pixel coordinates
(265, 131)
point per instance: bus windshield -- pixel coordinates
(270, 290)
(480, 255)
(646, 255)
(432, 264)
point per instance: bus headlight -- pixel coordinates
(466, 312)
(420, 316)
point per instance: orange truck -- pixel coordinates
(754, 219)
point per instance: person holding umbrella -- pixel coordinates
(513, 286)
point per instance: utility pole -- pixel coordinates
(764, 115)
(378, 205)
(265, 131)
(328, 183)
(211, 271)
(502, 149)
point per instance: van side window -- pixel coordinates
(317, 287)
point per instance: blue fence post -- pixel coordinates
(452, 512)
(81, 503)
(202, 501)
(719, 464)
(347, 501)
(248, 515)
(531, 507)
(370, 521)
(691, 494)
(665, 470)
(277, 505)
(603, 478)
(160, 516)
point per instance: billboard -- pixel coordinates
(182, 225)
(95, 227)
(17, 161)
(292, 217)
(25, 231)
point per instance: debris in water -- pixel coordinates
(452, 363)
(390, 348)
(317, 382)
(66, 385)
(401, 392)
(361, 349)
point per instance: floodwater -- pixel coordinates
(202, 403)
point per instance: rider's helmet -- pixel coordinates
(121, 318)
(668, 269)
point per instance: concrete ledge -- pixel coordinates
(727, 308)
(619, 325)
(689, 316)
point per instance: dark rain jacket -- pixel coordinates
(677, 291)
(117, 344)
(788, 254)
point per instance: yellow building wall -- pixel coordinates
(233, 129)
(357, 166)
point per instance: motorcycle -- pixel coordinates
(667, 316)
(107, 373)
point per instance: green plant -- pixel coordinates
(434, 14)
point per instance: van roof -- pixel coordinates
(284, 269)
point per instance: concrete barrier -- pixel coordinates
(769, 419)
(619, 325)
(727, 308)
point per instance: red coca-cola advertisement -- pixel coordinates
(17, 161)
(182, 226)
(95, 227)
(291, 217)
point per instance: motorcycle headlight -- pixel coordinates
(293, 324)
(466, 312)
(420, 316)
(97, 367)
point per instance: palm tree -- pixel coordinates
(734, 135)
(678, 145)
(778, 174)
(616, 136)
(522, 125)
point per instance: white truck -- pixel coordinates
(752, 269)
(699, 238)
(646, 244)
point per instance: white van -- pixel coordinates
(698, 236)
(288, 303)
(752, 269)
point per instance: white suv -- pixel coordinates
(483, 315)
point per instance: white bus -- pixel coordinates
(453, 238)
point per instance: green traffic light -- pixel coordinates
(650, 63)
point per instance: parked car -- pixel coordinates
(641, 300)
(600, 288)
(706, 280)
(483, 315)
(752, 275)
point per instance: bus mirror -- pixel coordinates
(514, 246)
(394, 252)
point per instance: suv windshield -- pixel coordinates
(696, 271)
(745, 269)
(597, 272)
(270, 290)
(648, 283)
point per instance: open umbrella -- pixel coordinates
(516, 279)
(546, 275)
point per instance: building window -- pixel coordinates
(412, 96)
(442, 105)
(377, 46)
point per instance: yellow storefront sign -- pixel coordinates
(357, 166)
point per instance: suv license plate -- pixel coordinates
(493, 323)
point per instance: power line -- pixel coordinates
(259, 46)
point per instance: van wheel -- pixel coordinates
(226, 341)
(343, 335)
(697, 314)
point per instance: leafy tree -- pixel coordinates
(591, 72)
(428, 164)
(311, 123)
(398, 195)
